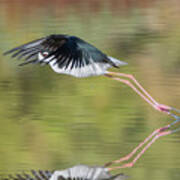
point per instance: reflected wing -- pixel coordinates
(34, 175)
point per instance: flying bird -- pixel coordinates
(66, 55)
(73, 56)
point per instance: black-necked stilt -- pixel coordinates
(78, 172)
(73, 56)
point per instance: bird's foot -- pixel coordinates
(173, 112)
(167, 109)
(163, 108)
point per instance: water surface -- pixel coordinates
(52, 121)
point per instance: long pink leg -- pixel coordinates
(130, 164)
(153, 136)
(127, 157)
(130, 76)
(127, 82)
(148, 98)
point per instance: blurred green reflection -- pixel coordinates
(55, 121)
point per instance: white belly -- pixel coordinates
(92, 69)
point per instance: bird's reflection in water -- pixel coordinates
(84, 172)
(78, 172)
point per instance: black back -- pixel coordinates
(62, 48)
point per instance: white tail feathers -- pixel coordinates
(117, 62)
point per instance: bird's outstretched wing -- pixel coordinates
(47, 47)
(66, 54)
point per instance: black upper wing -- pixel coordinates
(30, 51)
(64, 49)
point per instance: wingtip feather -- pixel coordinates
(10, 51)
(27, 45)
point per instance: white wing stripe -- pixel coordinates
(92, 69)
